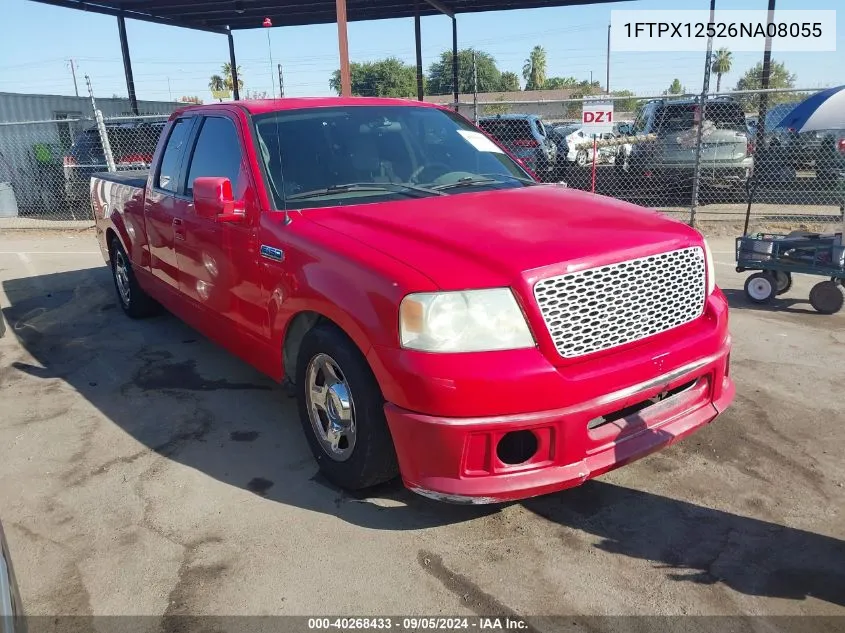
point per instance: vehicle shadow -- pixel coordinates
(738, 301)
(185, 399)
(703, 545)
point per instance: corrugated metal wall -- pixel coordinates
(23, 107)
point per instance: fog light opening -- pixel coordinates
(516, 447)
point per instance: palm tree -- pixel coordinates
(721, 65)
(534, 69)
(216, 84)
(227, 77)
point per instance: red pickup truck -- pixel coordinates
(439, 313)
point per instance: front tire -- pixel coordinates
(760, 288)
(341, 409)
(136, 303)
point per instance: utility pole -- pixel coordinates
(169, 91)
(474, 88)
(591, 79)
(607, 80)
(702, 113)
(281, 82)
(72, 63)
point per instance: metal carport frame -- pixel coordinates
(224, 16)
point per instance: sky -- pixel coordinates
(36, 40)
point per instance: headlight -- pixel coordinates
(465, 321)
(711, 269)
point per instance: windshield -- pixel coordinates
(360, 154)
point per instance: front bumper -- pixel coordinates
(460, 459)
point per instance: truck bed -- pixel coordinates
(134, 178)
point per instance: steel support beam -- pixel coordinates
(442, 8)
(343, 49)
(418, 41)
(127, 64)
(234, 65)
(92, 8)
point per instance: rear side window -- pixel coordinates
(168, 173)
(678, 118)
(507, 129)
(217, 152)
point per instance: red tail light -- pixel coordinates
(69, 161)
(136, 158)
(841, 146)
(526, 142)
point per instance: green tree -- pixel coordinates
(585, 88)
(226, 71)
(560, 83)
(624, 105)
(675, 88)
(721, 65)
(440, 73)
(534, 69)
(779, 77)
(509, 82)
(389, 77)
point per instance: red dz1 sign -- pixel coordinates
(597, 116)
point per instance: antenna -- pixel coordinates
(268, 24)
(281, 83)
(72, 64)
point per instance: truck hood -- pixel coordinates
(491, 238)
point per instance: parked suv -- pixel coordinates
(524, 136)
(132, 146)
(725, 151)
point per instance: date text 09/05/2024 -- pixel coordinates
(416, 623)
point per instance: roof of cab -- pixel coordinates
(263, 106)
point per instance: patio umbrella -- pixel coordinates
(824, 110)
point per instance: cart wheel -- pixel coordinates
(783, 281)
(760, 288)
(827, 297)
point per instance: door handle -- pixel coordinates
(178, 229)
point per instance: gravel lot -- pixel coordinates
(143, 470)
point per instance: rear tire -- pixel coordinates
(827, 297)
(341, 409)
(783, 281)
(136, 303)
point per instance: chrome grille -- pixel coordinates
(604, 307)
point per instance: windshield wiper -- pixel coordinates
(527, 181)
(485, 179)
(411, 191)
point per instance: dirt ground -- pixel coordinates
(143, 470)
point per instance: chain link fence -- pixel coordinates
(661, 153)
(723, 167)
(46, 166)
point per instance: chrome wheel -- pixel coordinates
(121, 277)
(330, 407)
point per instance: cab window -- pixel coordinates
(217, 153)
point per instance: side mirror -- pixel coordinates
(213, 199)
